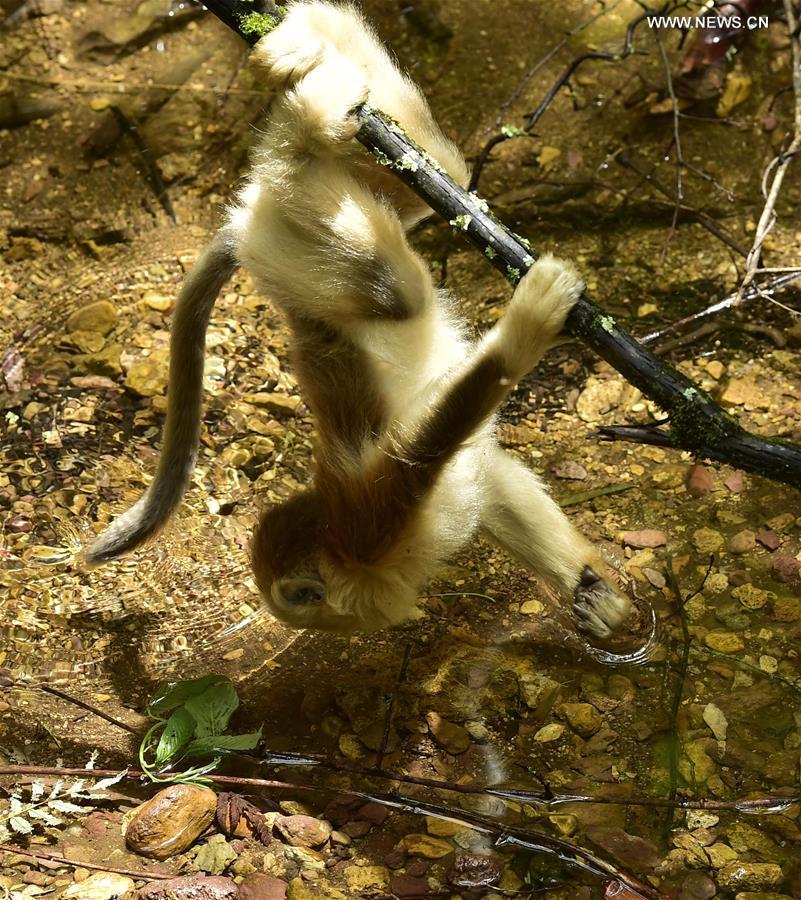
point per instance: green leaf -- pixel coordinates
(212, 710)
(177, 733)
(172, 694)
(214, 745)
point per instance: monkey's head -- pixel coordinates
(306, 583)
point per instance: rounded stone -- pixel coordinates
(171, 821)
(742, 542)
(425, 845)
(453, 738)
(750, 875)
(549, 733)
(707, 540)
(583, 718)
(750, 596)
(366, 878)
(99, 316)
(724, 641)
(787, 609)
(303, 831)
(148, 376)
(100, 886)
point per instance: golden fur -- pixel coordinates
(408, 467)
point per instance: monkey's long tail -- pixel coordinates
(184, 404)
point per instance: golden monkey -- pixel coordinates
(407, 464)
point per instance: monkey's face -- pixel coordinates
(306, 586)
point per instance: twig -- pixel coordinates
(691, 337)
(152, 170)
(390, 709)
(80, 703)
(547, 58)
(730, 302)
(674, 105)
(728, 193)
(76, 864)
(652, 434)
(129, 86)
(584, 496)
(774, 174)
(625, 160)
(547, 800)
(533, 117)
(771, 676)
(681, 677)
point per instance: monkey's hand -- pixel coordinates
(537, 312)
(599, 606)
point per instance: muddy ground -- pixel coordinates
(103, 214)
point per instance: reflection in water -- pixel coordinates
(640, 656)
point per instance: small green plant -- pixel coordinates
(191, 719)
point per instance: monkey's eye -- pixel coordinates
(303, 591)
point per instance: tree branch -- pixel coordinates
(697, 423)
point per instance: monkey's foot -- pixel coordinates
(599, 607)
(325, 101)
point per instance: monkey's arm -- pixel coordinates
(182, 427)
(368, 508)
(511, 349)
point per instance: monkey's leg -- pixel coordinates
(184, 397)
(313, 32)
(310, 31)
(518, 513)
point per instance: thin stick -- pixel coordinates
(75, 864)
(735, 661)
(152, 170)
(548, 57)
(390, 709)
(80, 703)
(730, 302)
(624, 159)
(129, 86)
(674, 103)
(584, 496)
(777, 168)
(533, 117)
(546, 800)
(678, 691)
